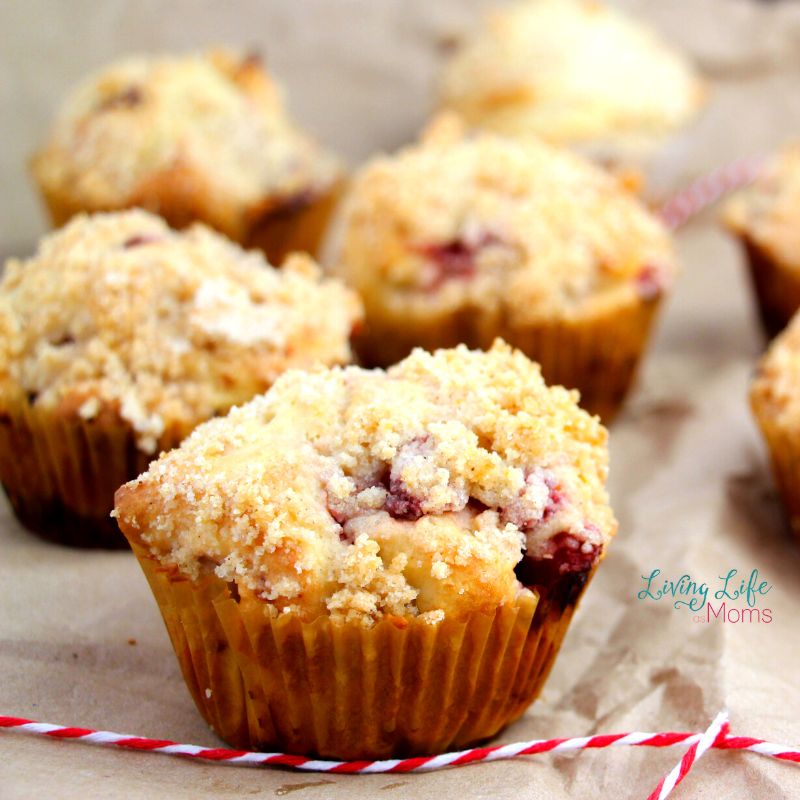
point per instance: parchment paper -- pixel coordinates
(81, 641)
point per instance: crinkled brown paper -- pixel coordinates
(81, 641)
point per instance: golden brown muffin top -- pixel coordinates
(570, 71)
(768, 211)
(119, 311)
(363, 494)
(218, 117)
(504, 225)
(774, 391)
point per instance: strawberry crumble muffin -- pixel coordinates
(466, 237)
(574, 72)
(766, 218)
(194, 138)
(121, 335)
(361, 564)
(775, 401)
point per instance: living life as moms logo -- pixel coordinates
(736, 598)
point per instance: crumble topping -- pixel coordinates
(167, 328)
(361, 494)
(570, 71)
(218, 116)
(507, 227)
(768, 211)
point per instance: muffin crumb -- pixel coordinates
(368, 494)
(502, 231)
(170, 132)
(164, 335)
(615, 90)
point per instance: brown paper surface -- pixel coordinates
(81, 642)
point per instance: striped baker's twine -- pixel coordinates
(716, 730)
(708, 189)
(716, 736)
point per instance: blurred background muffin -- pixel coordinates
(766, 218)
(775, 400)
(193, 138)
(369, 564)
(466, 237)
(576, 73)
(121, 335)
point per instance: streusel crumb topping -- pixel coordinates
(768, 211)
(362, 494)
(570, 71)
(218, 115)
(774, 391)
(119, 311)
(510, 227)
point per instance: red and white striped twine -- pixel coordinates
(717, 736)
(717, 729)
(708, 189)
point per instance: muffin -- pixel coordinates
(369, 564)
(576, 73)
(775, 401)
(120, 335)
(766, 218)
(197, 138)
(464, 238)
